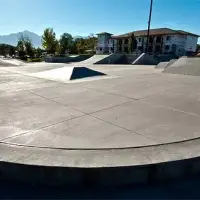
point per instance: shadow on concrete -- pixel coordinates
(84, 72)
(182, 189)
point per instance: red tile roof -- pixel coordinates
(158, 31)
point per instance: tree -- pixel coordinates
(91, 42)
(132, 43)
(6, 49)
(49, 41)
(28, 46)
(86, 44)
(39, 52)
(80, 45)
(66, 43)
(21, 47)
(74, 48)
(25, 46)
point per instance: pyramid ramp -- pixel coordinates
(68, 73)
(185, 66)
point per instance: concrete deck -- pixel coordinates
(135, 117)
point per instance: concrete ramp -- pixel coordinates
(111, 59)
(94, 59)
(164, 65)
(172, 61)
(10, 62)
(185, 66)
(161, 65)
(145, 59)
(66, 59)
(68, 73)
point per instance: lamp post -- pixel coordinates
(149, 24)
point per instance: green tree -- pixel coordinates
(28, 46)
(21, 47)
(74, 48)
(91, 42)
(132, 43)
(49, 41)
(25, 46)
(80, 45)
(66, 43)
(86, 44)
(39, 52)
(6, 49)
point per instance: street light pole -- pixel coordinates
(149, 24)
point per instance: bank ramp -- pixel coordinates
(94, 59)
(10, 62)
(185, 66)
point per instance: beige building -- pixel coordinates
(162, 40)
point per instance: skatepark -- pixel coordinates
(86, 123)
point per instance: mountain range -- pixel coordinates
(12, 38)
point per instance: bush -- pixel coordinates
(35, 59)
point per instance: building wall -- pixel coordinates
(173, 43)
(178, 44)
(191, 43)
(105, 44)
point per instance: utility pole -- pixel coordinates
(149, 24)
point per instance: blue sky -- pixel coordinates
(82, 17)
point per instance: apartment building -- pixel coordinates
(161, 40)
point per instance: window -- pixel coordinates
(140, 48)
(158, 48)
(151, 39)
(139, 40)
(158, 39)
(120, 42)
(168, 38)
(125, 49)
(166, 47)
(100, 49)
(126, 41)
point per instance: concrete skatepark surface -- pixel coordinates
(140, 124)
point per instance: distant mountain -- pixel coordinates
(12, 38)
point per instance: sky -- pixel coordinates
(82, 17)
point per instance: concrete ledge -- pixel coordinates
(114, 167)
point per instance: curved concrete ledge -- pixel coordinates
(108, 167)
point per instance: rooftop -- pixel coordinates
(158, 31)
(104, 33)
